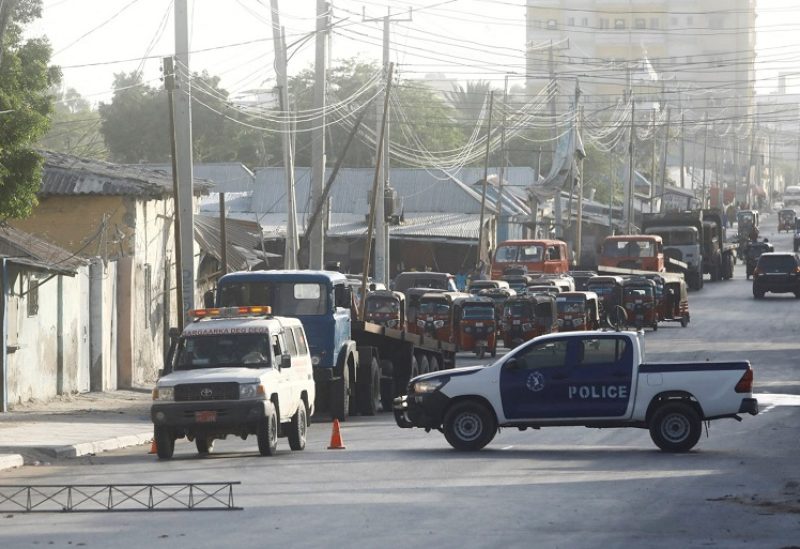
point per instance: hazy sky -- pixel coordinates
(465, 39)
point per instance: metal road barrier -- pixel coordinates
(50, 498)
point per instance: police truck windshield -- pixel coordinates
(224, 350)
(285, 298)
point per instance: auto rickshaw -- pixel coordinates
(581, 278)
(476, 286)
(433, 316)
(577, 311)
(746, 220)
(542, 288)
(639, 301)
(564, 282)
(386, 308)
(413, 296)
(786, 220)
(752, 252)
(526, 317)
(474, 325)
(518, 282)
(674, 305)
(609, 291)
(499, 296)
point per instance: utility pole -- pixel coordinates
(382, 259)
(533, 201)
(629, 188)
(653, 162)
(481, 231)
(503, 166)
(183, 152)
(278, 36)
(704, 199)
(579, 227)
(553, 97)
(169, 84)
(223, 236)
(683, 148)
(664, 164)
(316, 230)
(797, 163)
(736, 171)
(375, 184)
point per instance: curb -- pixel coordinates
(86, 448)
(10, 461)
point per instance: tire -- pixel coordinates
(675, 427)
(758, 294)
(165, 442)
(340, 395)
(469, 426)
(715, 273)
(369, 389)
(655, 326)
(684, 322)
(298, 428)
(267, 431)
(204, 445)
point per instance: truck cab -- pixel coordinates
(235, 371)
(640, 252)
(533, 256)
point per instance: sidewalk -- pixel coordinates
(74, 426)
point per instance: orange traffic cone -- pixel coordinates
(153, 447)
(336, 437)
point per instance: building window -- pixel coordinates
(619, 24)
(571, 21)
(585, 22)
(654, 23)
(639, 24)
(552, 24)
(33, 296)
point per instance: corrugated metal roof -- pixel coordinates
(32, 250)
(226, 177)
(243, 239)
(65, 174)
(420, 190)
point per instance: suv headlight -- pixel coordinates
(438, 323)
(250, 390)
(164, 393)
(427, 385)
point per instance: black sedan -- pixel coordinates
(777, 273)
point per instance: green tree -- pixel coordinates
(135, 124)
(25, 106)
(75, 127)
(425, 116)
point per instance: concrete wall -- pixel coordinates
(48, 350)
(103, 325)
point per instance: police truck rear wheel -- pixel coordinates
(469, 426)
(298, 428)
(676, 427)
(267, 432)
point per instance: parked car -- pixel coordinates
(777, 272)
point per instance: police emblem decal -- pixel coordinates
(535, 382)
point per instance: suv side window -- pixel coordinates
(290, 345)
(300, 339)
(601, 351)
(277, 348)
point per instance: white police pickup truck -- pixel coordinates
(592, 379)
(235, 371)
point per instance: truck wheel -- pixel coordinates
(675, 427)
(267, 431)
(731, 262)
(684, 321)
(340, 395)
(715, 272)
(469, 426)
(298, 429)
(205, 445)
(165, 442)
(369, 389)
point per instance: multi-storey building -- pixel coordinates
(699, 54)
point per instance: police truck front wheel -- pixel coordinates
(469, 426)
(165, 442)
(267, 431)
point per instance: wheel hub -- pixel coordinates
(468, 426)
(675, 428)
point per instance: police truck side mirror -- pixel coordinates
(286, 361)
(208, 299)
(174, 337)
(343, 295)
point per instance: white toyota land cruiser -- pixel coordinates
(235, 371)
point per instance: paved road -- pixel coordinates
(561, 487)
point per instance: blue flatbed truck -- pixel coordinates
(358, 366)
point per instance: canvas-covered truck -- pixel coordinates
(697, 238)
(358, 367)
(591, 379)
